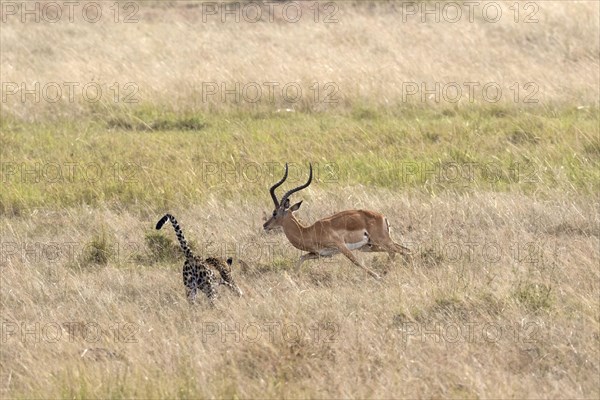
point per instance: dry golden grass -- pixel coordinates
(368, 54)
(520, 322)
(501, 299)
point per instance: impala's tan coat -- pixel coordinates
(340, 233)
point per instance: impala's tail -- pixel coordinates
(182, 242)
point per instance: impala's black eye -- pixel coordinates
(275, 213)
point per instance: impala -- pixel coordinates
(340, 233)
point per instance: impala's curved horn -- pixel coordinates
(297, 189)
(275, 186)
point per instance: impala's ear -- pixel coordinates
(286, 204)
(296, 206)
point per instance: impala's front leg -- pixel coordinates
(307, 256)
(344, 250)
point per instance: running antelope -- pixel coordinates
(340, 233)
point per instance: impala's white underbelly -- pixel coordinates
(352, 246)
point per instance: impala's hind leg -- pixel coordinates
(392, 248)
(405, 252)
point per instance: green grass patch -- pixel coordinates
(161, 248)
(534, 296)
(160, 159)
(97, 252)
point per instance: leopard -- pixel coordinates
(201, 274)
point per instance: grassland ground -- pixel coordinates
(497, 200)
(500, 299)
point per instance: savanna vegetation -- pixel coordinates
(478, 140)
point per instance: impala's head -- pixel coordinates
(282, 207)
